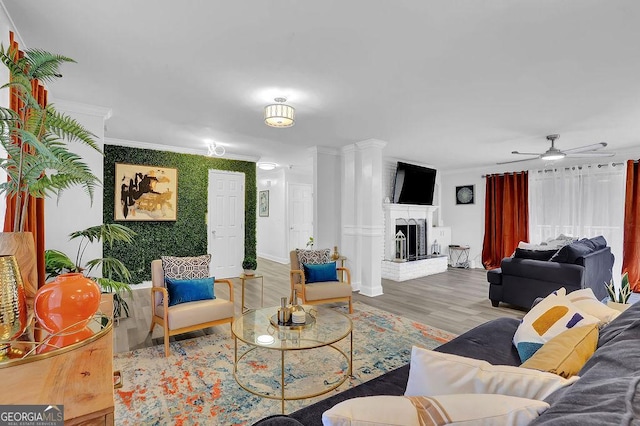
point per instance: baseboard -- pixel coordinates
(283, 260)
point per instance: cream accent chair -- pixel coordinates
(322, 292)
(188, 316)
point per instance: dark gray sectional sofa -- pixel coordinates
(607, 393)
(528, 274)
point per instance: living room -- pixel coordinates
(451, 86)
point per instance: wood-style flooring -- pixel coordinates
(454, 301)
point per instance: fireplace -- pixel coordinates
(414, 222)
(415, 231)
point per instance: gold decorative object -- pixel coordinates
(13, 306)
(335, 255)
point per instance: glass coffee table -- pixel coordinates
(266, 343)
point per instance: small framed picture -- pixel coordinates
(263, 203)
(466, 194)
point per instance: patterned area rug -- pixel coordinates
(195, 385)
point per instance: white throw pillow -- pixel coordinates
(435, 373)
(552, 316)
(467, 409)
(586, 301)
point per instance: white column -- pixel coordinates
(326, 197)
(350, 235)
(370, 215)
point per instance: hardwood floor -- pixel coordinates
(455, 301)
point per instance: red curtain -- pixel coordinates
(506, 218)
(34, 222)
(631, 242)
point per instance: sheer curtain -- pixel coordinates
(581, 201)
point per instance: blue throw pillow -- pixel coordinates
(181, 291)
(320, 273)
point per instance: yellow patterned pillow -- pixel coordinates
(552, 316)
(567, 353)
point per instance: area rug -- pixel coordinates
(195, 385)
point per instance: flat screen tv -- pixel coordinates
(414, 184)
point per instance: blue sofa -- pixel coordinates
(607, 393)
(528, 274)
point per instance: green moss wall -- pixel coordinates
(187, 236)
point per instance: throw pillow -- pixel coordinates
(586, 301)
(553, 315)
(181, 291)
(186, 267)
(599, 242)
(571, 252)
(313, 257)
(567, 353)
(476, 409)
(533, 254)
(320, 273)
(434, 373)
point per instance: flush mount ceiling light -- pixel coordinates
(265, 165)
(280, 114)
(217, 150)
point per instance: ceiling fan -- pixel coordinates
(553, 153)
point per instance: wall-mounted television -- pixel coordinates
(414, 184)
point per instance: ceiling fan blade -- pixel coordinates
(593, 154)
(593, 147)
(526, 153)
(518, 161)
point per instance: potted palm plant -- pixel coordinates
(115, 279)
(35, 138)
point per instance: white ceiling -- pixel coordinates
(450, 83)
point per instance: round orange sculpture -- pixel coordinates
(66, 305)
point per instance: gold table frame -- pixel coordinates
(311, 344)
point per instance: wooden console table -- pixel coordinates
(79, 376)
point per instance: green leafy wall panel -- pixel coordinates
(187, 236)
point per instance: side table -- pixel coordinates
(459, 256)
(243, 278)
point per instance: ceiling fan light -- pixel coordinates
(551, 156)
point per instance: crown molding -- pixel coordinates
(324, 150)
(177, 149)
(371, 143)
(81, 108)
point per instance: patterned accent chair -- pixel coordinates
(188, 316)
(318, 292)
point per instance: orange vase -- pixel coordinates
(66, 305)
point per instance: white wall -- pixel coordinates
(5, 27)
(271, 231)
(466, 221)
(326, 193)
(74, 210)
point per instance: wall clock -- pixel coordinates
(465, 194)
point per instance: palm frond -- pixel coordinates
(10, 59)
(57, 263)
(111, 268)
(43, 65)
(107, 233)
(69, 129)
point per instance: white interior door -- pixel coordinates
(300, 215)
(226, 223)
